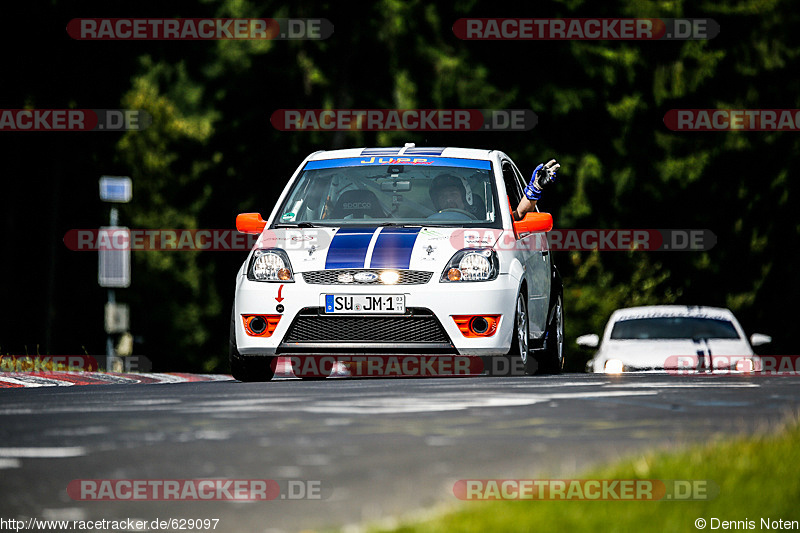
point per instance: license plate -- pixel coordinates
(365, 303)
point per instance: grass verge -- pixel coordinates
(758, 477)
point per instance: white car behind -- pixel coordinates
(672, 337)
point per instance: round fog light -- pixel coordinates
(479, 325)
(258, 325)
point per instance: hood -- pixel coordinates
(413, 248)
(656, 354)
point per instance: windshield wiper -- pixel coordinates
(298, 225)
(399, 225)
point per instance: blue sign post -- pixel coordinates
(114, 266)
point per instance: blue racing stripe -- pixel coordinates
(393, 248)
(348, 249)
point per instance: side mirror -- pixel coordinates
(757, 339)
(533, 222)
(588, 341)
(250, 223)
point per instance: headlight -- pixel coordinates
(270, 265)
(472, 265)
(613, 366)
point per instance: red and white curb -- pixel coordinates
(10, 380)
(67, 379)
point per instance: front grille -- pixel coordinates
(330, 277)
(417, 326)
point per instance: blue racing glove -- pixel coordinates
(544, 175)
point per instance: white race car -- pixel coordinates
(673, 338)
(398, 251)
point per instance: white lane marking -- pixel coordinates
(338, 421)
(555, 383)
(313, 459)
(77, 432)
(288, 471)
(169, 405)
(43, 453)
(67, 513)
(436, 440)
(598, 394)
(211, 434)
(10, 463)
(162, 401)
(682, 385)
(447, 402)
(221, 406)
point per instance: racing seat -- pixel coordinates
(358, 204)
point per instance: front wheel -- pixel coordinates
(520, 350)
(551, 356)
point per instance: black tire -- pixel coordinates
(551, 356)
(250, 367)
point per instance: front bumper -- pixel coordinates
(304, 328)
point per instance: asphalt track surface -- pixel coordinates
(378, 447)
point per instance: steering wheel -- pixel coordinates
(463, 212)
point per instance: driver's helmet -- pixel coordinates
(444, 181)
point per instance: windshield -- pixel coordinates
(392, 190)
(677, 327)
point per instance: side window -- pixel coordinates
(512, 184)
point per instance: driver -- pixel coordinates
(449, 192)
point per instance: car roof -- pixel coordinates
(405, 151)
(652, 311)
